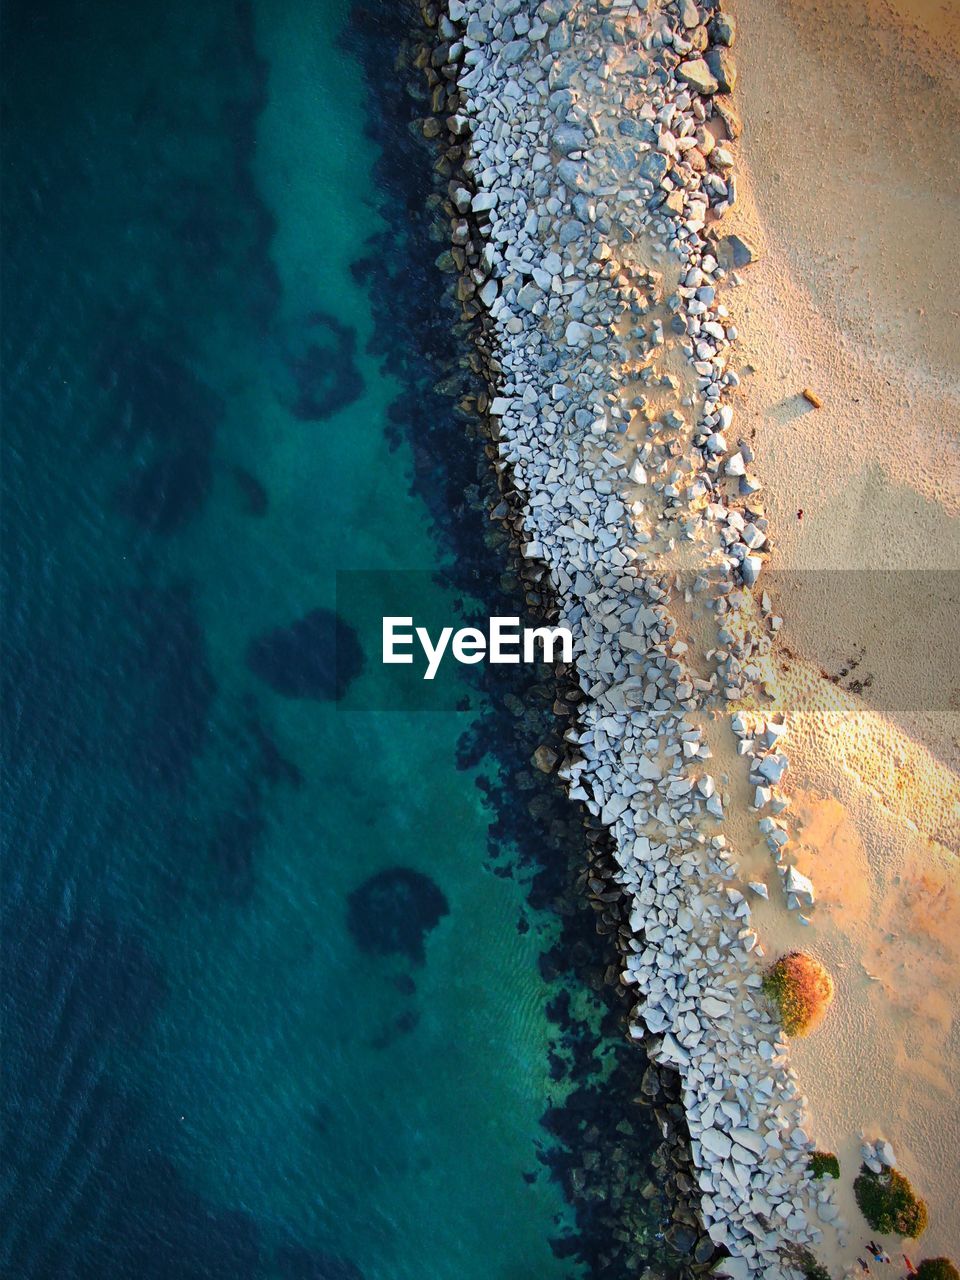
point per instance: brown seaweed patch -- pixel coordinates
(315, 657)
(319, 370)
(393, 911)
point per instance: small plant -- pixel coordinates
(814, 1270)
(801, 989)
(824, 1164)
(803, 1260)
(937, 1269)
(889, 1204)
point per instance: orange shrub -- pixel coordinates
(801, 989)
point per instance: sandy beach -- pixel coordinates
(850, 188)
(856, 296)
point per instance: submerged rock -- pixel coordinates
(545, 758)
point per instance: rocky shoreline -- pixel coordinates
(590, 158)
(633, 1199)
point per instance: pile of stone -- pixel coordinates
(761, 744)
(598, 159)
(878, 1156)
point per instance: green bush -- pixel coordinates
(823, 1164)
(937, 1269)
(889, 1204)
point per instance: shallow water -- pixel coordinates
(208, 1072)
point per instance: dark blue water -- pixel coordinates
(273, 1000)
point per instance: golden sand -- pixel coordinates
(850, 185)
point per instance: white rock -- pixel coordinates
(750, 567)
(716, 1142)
(578, 334)
(484, 201)
(714, 1008)
(747, 1138)
(772, 768)
(799, 885)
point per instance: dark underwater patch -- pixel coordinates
(124, 683)
(399, 1026)
(253, 493)
(393, 911)
(361, 269)
(320, 371)
(203, 224)
(70, 979)
(315, 657)
(219, 231)
(164, 683)
(162, 419)
(238, 121)
(296, 1263)
(154, 393)
(77, 991)
(274, 765)
(233, 837)
(165, 494)
(232, 848)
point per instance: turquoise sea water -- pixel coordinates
(206, 1072)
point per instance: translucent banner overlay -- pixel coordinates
(890, 635)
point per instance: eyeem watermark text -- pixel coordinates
(503, 642)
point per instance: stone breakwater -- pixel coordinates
(598, 161)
